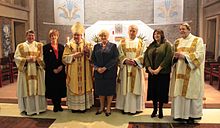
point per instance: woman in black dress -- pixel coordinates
(105, 58)
(158, 57)
(55, 77)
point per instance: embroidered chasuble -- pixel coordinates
(31, 73)
(75, 69)
(130, 77)
(186, 78)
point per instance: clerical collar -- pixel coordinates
(29, 42)
(132, 39)
(189, 36)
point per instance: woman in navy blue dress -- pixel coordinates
(105, 59)
(55, 77)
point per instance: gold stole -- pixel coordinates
(80, 70)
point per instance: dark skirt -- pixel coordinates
(105, 87)
(55, 85)
(158, 87)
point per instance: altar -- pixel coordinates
(118, 30)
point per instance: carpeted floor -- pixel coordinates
(24, 122)
(171, 125)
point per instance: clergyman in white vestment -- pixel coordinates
(131, 90)
(187, 81)
(31, 87)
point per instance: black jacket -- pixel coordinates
(55, 83)
(108, 58)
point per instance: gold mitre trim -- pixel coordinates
(77, 28)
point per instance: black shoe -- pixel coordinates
(82, 111)
(132, 113)
(160, 115)
(123, 112)
(197, 118)
(24, 113)
(32, 114)
(190, 121)
(178, 119)
(55, 109)
(60, 109)
(138, 112)
(99, 112)
(74, 111)
(107, 113)
(154, 114)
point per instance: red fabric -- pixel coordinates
(55, 49)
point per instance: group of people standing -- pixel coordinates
(71, 71)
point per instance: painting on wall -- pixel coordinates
(67, 12)
(6, 36)
(168, 11)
